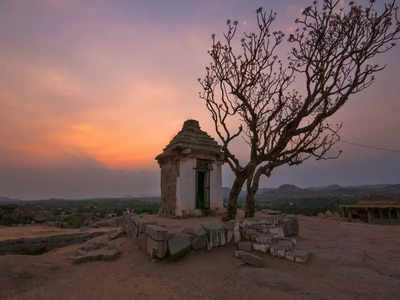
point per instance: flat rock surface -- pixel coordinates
(40, 245)
(104, 254)
(349, 261)
(17, 232)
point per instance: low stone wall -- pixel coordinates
(159, 243)
(273, 234)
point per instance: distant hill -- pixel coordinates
(310, 201)
(362, 192)
(6, 200)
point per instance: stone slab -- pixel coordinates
(290, 226)
(263, 238)
(196, 231)
(229, 225)
(211, 227)
(261, 247)
(115, 234)
(249, 258)
(244, 245)
(179, 246)
(156, 249)
(301, 256)
(157, 233)
(215, 233)
(277, 232)
(100, 254)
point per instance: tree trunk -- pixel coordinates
(250, 203)
(252, 188)
(233, 197)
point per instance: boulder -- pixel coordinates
(179, 246)
(249, 258)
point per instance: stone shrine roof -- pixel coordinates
(191, 138)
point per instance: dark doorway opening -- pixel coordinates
(203, 184)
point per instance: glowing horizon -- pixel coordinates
(104, 87)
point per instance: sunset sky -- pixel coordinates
(91, 91)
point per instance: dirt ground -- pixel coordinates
(350, 261)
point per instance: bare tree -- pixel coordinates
(247, 88)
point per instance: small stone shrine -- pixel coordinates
(191, 173)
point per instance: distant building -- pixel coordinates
(372, 212)
(191, 173)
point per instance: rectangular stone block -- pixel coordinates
(246, 246)
(156, 232)
(277, 232)
(301, 256)
(290, 256)
(249, 258)
(273, 251)
(156, 249)
(290, 226)
(286, 244)
(216, 235)
(281, 252)
(141, 227)
(199, 242)
(236, 233)
(179, 245)
(229, 236)
(229, 225)
(212, 227)
(263, 238)
(250, 234)
(261, 247)
(195, 231)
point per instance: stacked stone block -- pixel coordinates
(274, 235)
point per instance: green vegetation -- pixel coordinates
(73, 213)
(304, 206)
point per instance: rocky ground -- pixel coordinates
(349, 261)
